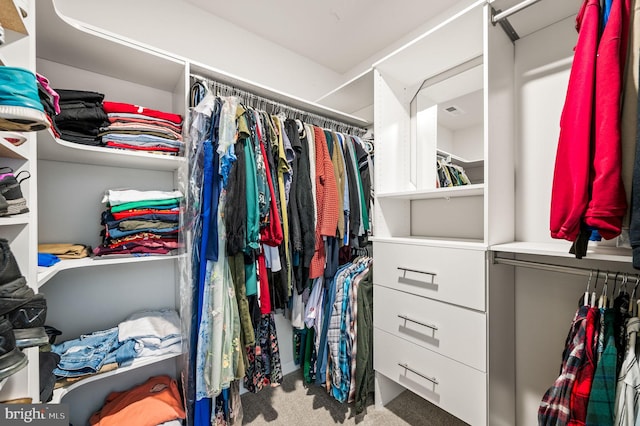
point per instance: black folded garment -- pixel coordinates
(95, 115)
(81, 138)
(79, 95)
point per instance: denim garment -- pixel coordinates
(90, 352)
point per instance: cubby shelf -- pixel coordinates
(59, 393)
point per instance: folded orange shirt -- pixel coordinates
(154, 402)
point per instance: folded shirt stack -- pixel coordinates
(50, 101)
(136, 128)
(140, 223)
(144, 333)
(156, 332)
(81, 116)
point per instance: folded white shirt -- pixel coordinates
(115, 197)
(152, 324)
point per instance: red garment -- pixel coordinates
(271, 234)
(161, 149)
(139, 212)
(608, 203)
(265, 294)
(154, 402)
(570, 193)
(327, 202)
(155, 122)
(584, 376)
(119, 107)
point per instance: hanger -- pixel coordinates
(586, 293)
(592, 303)
(603, 300)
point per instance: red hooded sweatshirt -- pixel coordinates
(608, 203)
(570, 192)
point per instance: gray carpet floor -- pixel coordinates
(293, 404)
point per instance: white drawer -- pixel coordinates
(456, 388)
(452, 331)
(449, 274)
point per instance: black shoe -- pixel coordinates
(14, 294)
(31, 314)
(11, 191)
(11, 359)
(28, 322)
(9, 269)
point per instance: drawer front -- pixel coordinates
(456, 388)
(449, 274)
(452, 331)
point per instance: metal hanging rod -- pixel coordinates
(499, 16)
(261, 103)
(573, 270)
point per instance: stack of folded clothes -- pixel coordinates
(140, 223)
(81, 116)
(50, 101)
(136, 128)
(143, 333)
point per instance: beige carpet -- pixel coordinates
(293, 404)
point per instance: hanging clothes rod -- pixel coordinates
(512, 10)
(573, 270)
(261, 103)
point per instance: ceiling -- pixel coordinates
(339, 34)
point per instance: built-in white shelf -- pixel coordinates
(462, 162)
(8, 150)
(426, 194)
(67, 41)
(46, 273)
(461, 243)
(561, 249)
(59, 393)
(19, 219)
(12, 22)
(52, 148)
(354, 96)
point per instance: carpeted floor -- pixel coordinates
(293, 404)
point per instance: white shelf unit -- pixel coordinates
(86, 295)
(449, 92)
(21, 230)
(406, 175)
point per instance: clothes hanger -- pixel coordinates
(586, 293)
(592, 303)
(603, 300)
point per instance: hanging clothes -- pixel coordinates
(570, 193)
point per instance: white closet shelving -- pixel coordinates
(86, 295)
(21, 230)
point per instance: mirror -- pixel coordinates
(448, 128)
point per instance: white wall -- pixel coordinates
(181, 28)
(543, 63)
(468, 143)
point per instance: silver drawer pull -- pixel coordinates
(431, 379)
(424, 324)
(401, 268)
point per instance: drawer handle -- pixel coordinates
(424, 324)
(431, 379)
(401, 268)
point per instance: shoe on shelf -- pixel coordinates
(12, 359)
(11, 191)
(9, 269)
(14, 294)
(20, 106)
(28, 322)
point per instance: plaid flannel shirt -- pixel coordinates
(555, 405)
